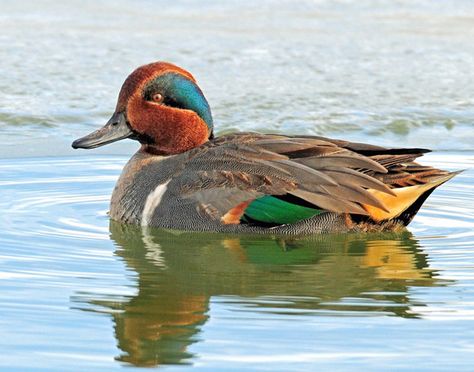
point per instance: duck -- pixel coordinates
(185, 178)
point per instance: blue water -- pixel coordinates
(78, 292)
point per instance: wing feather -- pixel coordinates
(331, 175)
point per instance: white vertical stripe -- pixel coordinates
(152, 201)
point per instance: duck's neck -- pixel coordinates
(174, 134)
(153, 150)
(175, 142)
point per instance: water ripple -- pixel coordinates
(61, 257)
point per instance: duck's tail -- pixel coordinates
(406, 202)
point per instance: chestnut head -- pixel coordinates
(161, 106)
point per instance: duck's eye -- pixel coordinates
(157, 98)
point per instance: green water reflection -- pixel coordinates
(178, 275)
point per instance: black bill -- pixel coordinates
(115, 130)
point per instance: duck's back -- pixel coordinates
(250, 182)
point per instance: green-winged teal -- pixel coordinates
(183, 178)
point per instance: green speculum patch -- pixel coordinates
(269, 209)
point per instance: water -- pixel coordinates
(81, 293)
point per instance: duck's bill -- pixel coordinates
(115, 130)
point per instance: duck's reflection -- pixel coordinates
(179, 274)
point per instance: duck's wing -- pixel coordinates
(402, 170)
(275, 179)
(411, 182)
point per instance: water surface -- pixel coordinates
(380, 71)
(78, 292)
(83, 292)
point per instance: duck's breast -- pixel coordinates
(140, 188)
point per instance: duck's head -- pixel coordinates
(161, 106)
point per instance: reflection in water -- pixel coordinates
(178, 274)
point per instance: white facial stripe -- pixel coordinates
(152, 202)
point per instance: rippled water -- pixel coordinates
(384, 71)
(80, 293)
